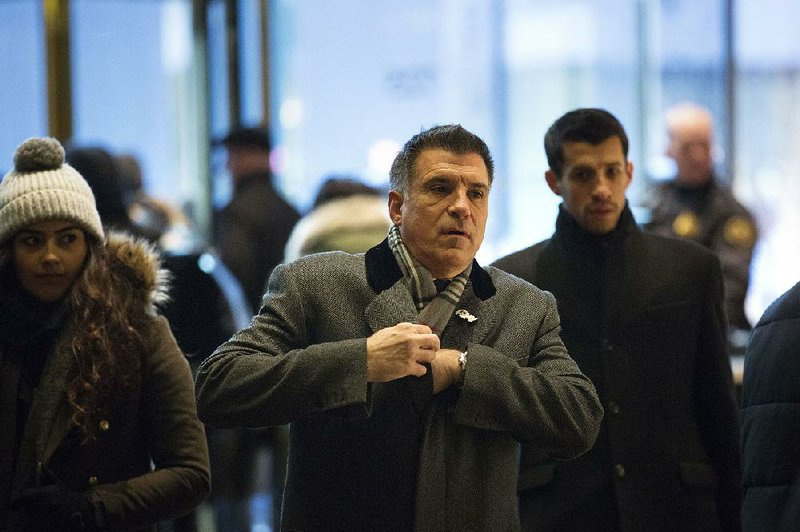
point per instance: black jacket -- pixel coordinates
(252, 232)
(771, 419)
(643, 317)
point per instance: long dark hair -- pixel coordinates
(106, 346)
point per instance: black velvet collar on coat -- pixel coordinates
(383, 272)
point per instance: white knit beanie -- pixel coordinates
(43, 187)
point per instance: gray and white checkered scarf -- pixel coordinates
(434, 309)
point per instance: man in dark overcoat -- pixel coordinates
(409, 373)
(643, 317)
(252, 229)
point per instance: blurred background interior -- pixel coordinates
(339, 83)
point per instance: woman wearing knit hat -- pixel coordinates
(98, 428)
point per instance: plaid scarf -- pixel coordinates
(435, 309)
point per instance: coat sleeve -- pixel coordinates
(541, 398)
(272, 373)
(175, 439)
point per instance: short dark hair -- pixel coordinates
(246, 137)
(590, 125)
(343, 186)
(451, 137)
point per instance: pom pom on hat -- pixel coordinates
(43, 187)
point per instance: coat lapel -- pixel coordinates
(390, 307)
(393, 303)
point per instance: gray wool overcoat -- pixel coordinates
(303, 360)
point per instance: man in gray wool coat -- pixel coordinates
(409, 373)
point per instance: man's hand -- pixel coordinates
(446, 370)
(395, 352)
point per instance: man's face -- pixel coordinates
(593, 183)
(442, 217)
(690, 148)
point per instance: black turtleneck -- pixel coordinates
(586, 271)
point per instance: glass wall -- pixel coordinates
(23, 90)
(767, 133)
(353, 79)
(133, 91)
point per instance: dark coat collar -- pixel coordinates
(567, 228)
(261, 179)
(383, 272)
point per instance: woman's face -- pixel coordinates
(48, 256)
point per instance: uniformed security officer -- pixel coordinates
(695, 207)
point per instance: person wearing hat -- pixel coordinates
(252, 229)
(98, 426)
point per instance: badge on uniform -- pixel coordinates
(686, 225)
(739, 232)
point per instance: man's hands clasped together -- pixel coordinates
(404, 349)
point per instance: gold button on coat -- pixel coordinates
(103, 425)
(619, 470)
(93, 481)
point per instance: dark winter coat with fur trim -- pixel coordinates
(150, 460)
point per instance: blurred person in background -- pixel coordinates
(98, 423)
(347, 215)
(206, 306)
(155, 218)
(250, 236)
(99, 168)
(695, 206)
(252, 229)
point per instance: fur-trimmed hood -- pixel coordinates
(136, 265)
(358, 222)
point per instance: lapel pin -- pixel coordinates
(465, 315)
